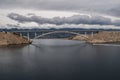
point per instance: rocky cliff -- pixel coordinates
(101, 37)
(7, 38)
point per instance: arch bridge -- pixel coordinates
(69, 32)
(40, 33)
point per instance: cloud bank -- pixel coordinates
(98, 8)
(75, 19)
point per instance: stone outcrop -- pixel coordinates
(101, 37)
(7, 38)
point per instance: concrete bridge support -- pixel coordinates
(28, 36)
(35, 34)
(92, 34)
(21, 35)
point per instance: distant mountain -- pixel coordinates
(37, 29)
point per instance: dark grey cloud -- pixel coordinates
(111, 7)
(76, 19)
(115, 11)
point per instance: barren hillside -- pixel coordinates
(101, 37)
(7, 38)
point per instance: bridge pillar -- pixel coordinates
(85, 34)
(35, 34)
(92, 34)
(20, 34)
(28, 36)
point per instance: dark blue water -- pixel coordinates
(60, 60)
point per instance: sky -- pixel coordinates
(90, 14)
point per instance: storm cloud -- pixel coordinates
(75, 19)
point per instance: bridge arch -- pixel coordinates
(59, 32)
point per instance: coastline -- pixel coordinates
(104, 37)
(7, 38)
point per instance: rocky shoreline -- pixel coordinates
(7, 38)
(100, 37)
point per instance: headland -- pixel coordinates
(100, 37)
(7, 38)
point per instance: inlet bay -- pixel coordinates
(55, 59)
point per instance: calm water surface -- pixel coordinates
(60, 60)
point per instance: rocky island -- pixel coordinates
(7, 38)
(100, 37)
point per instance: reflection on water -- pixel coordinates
(56, 42)
(60, 60)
